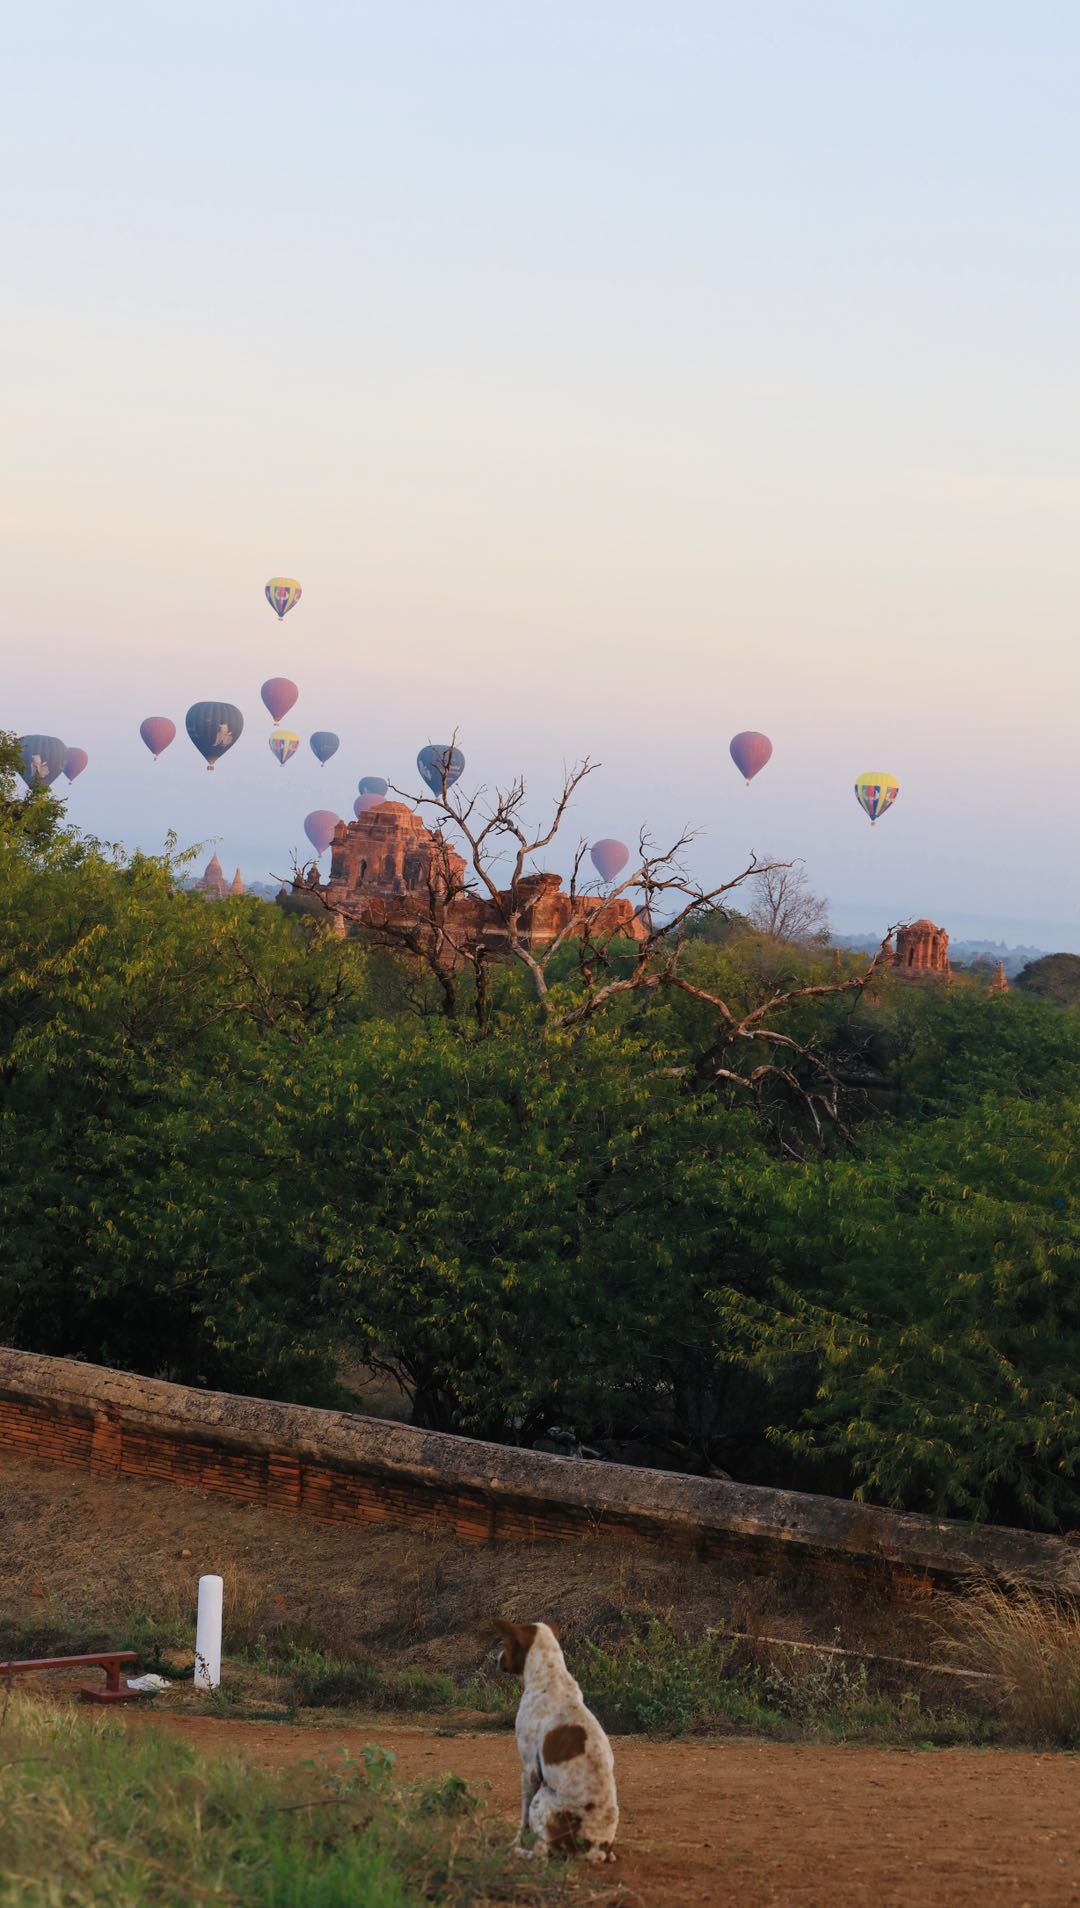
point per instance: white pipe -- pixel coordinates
(208, 1634)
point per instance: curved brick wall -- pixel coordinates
(338, 1466)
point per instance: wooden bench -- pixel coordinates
(109, 1660)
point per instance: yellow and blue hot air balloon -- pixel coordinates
(284, 744)
(282, 594)
(875, 792)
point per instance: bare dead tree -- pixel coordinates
(643, 919)
(783, 905)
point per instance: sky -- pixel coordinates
(614, 377)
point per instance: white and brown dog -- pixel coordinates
(567, 1769)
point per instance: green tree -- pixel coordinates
(151, 1101)
(1055, 977)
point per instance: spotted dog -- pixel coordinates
(567, 1769)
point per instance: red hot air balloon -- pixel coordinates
(750, 750)
(319, 828)
(365, 803)
(157, 732)
(609, 858)
(74, 763)
(279, 694)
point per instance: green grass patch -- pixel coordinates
(97, 1817)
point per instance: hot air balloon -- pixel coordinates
(279, 694)
(319, 828)
(214, 727)
(609, 858)
(324, 744)
(876, 791)
(282, 592)
(43, 758)
(373, 785)
(440, 764)
(74, 763)
(157, 732)
(750, 750)
(284, 744)
(365, 803)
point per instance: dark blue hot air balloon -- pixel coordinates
(440, 764)
(372, 785)
(324, 744)
(43, 758)
(214, 727)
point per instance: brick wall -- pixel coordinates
(343, 1468)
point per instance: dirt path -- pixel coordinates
(765, 1825)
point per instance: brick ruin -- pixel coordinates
(922, 951)
(387, 870)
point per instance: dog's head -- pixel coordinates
(517, 1640)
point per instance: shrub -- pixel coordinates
(655, 1681)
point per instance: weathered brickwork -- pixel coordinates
(388, 871)
(342, 1468)
(922, 950)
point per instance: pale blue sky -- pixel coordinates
(614, 377)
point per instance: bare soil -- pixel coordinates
(706, 1824)
(744, 1824)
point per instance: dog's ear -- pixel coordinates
(505, 1629)
(554, 1628)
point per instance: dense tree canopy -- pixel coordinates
(237, 1150)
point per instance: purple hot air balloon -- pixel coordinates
(365, 803)
(74, 763)
(319, 828)
(157, 732)
(609, 858)
(750, 750)
(279, 694)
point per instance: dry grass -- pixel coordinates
(1032, 1645)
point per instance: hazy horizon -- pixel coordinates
(613, 377)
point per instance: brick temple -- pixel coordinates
(922, 949)
(387, 870)
(212, 882)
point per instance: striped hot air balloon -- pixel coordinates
(875, 792)
(284, 744)
(282, 594)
